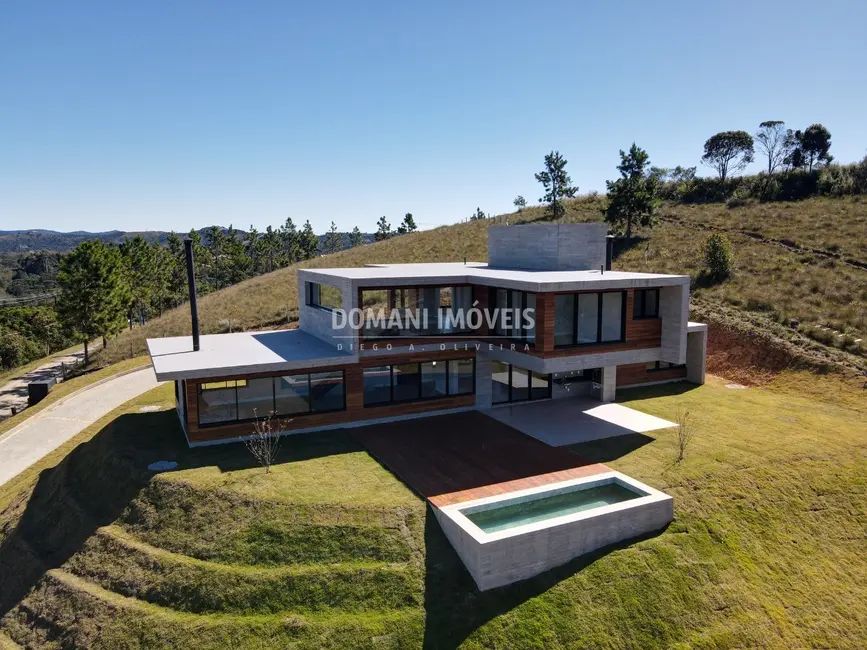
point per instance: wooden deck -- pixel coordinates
(464, 456)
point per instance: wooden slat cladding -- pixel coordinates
(637, 373)
(354, 395)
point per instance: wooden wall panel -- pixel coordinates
(637, 373)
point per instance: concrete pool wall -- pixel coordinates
(501, 558)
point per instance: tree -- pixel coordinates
(161, 277)
(557, 184)
(308, 242)
(815, 144)
(408, 225)
(178, 281)
(264, 442)
(333, 239)
(272, 252)
(718, 259)
(289, 234)
(236, 263)
(383, 230)
(92, 292)
(729, 151)
(775, 141)
(520, 202)
(138, 262)
(355, 238)
(478, 215)
(632, 197)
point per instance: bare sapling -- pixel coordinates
(265, 441)
(685, 431)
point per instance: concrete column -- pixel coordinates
(609, 383)
(483, 382)
(696, 356)
(674, 313)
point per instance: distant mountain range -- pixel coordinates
(23, 241)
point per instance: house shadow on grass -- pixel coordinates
(454, 606)
(93, 485)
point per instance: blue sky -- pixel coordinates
(172, 115)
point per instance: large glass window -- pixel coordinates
(434, 379)
(596, 318)
(377, 385)
(588, 317)
(510, 306)
(405, 382)
(612, 316)
(646, 304)
(217, 402)
(412, 381)
(520, 384)
(292, 393)
(256, 398)
(462, 380)
(326, 391)
(513, 384)
(288, 395)
(324, 296)
(500, 378)
(564, 319)
(540, 386)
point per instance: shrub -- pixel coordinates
(718, 257)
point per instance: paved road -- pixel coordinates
(14, 392)
(46, 430)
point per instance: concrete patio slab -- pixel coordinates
(575, 420)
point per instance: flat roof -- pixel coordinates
(481, 273)
(241, 353)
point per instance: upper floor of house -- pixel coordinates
(547, 290)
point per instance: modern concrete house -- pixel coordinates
(544, 318)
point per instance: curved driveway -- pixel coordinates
(45, 431)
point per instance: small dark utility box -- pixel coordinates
(37, 390)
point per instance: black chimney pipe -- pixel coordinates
(191, 282)
(609, 251)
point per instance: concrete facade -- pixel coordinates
(501, 558)
(674, 313)
(548, 247)
(696, 353)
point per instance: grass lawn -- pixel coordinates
(332, 551)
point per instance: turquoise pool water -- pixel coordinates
(512, 513)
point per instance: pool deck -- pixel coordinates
(461, 457)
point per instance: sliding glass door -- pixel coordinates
(513, 384)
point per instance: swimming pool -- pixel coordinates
(503, 515)
(510, 537)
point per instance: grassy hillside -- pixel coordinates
(766, 549)
(800, 280)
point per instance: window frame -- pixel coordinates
(317, 304)
(510, 306)
(599, 314)
(529, 398)
(639, 304)
(421, 398)
(200, 388)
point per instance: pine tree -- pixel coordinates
(632, 197)
(557, 184)
(237, 265)
(355, 238)
(161, 278)
(138, 262)
(178, 281)
(308, 242)
(383, 229)
(93, 294)
(254, 250)
(289, 236)
(333, 240)
(407, 226)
